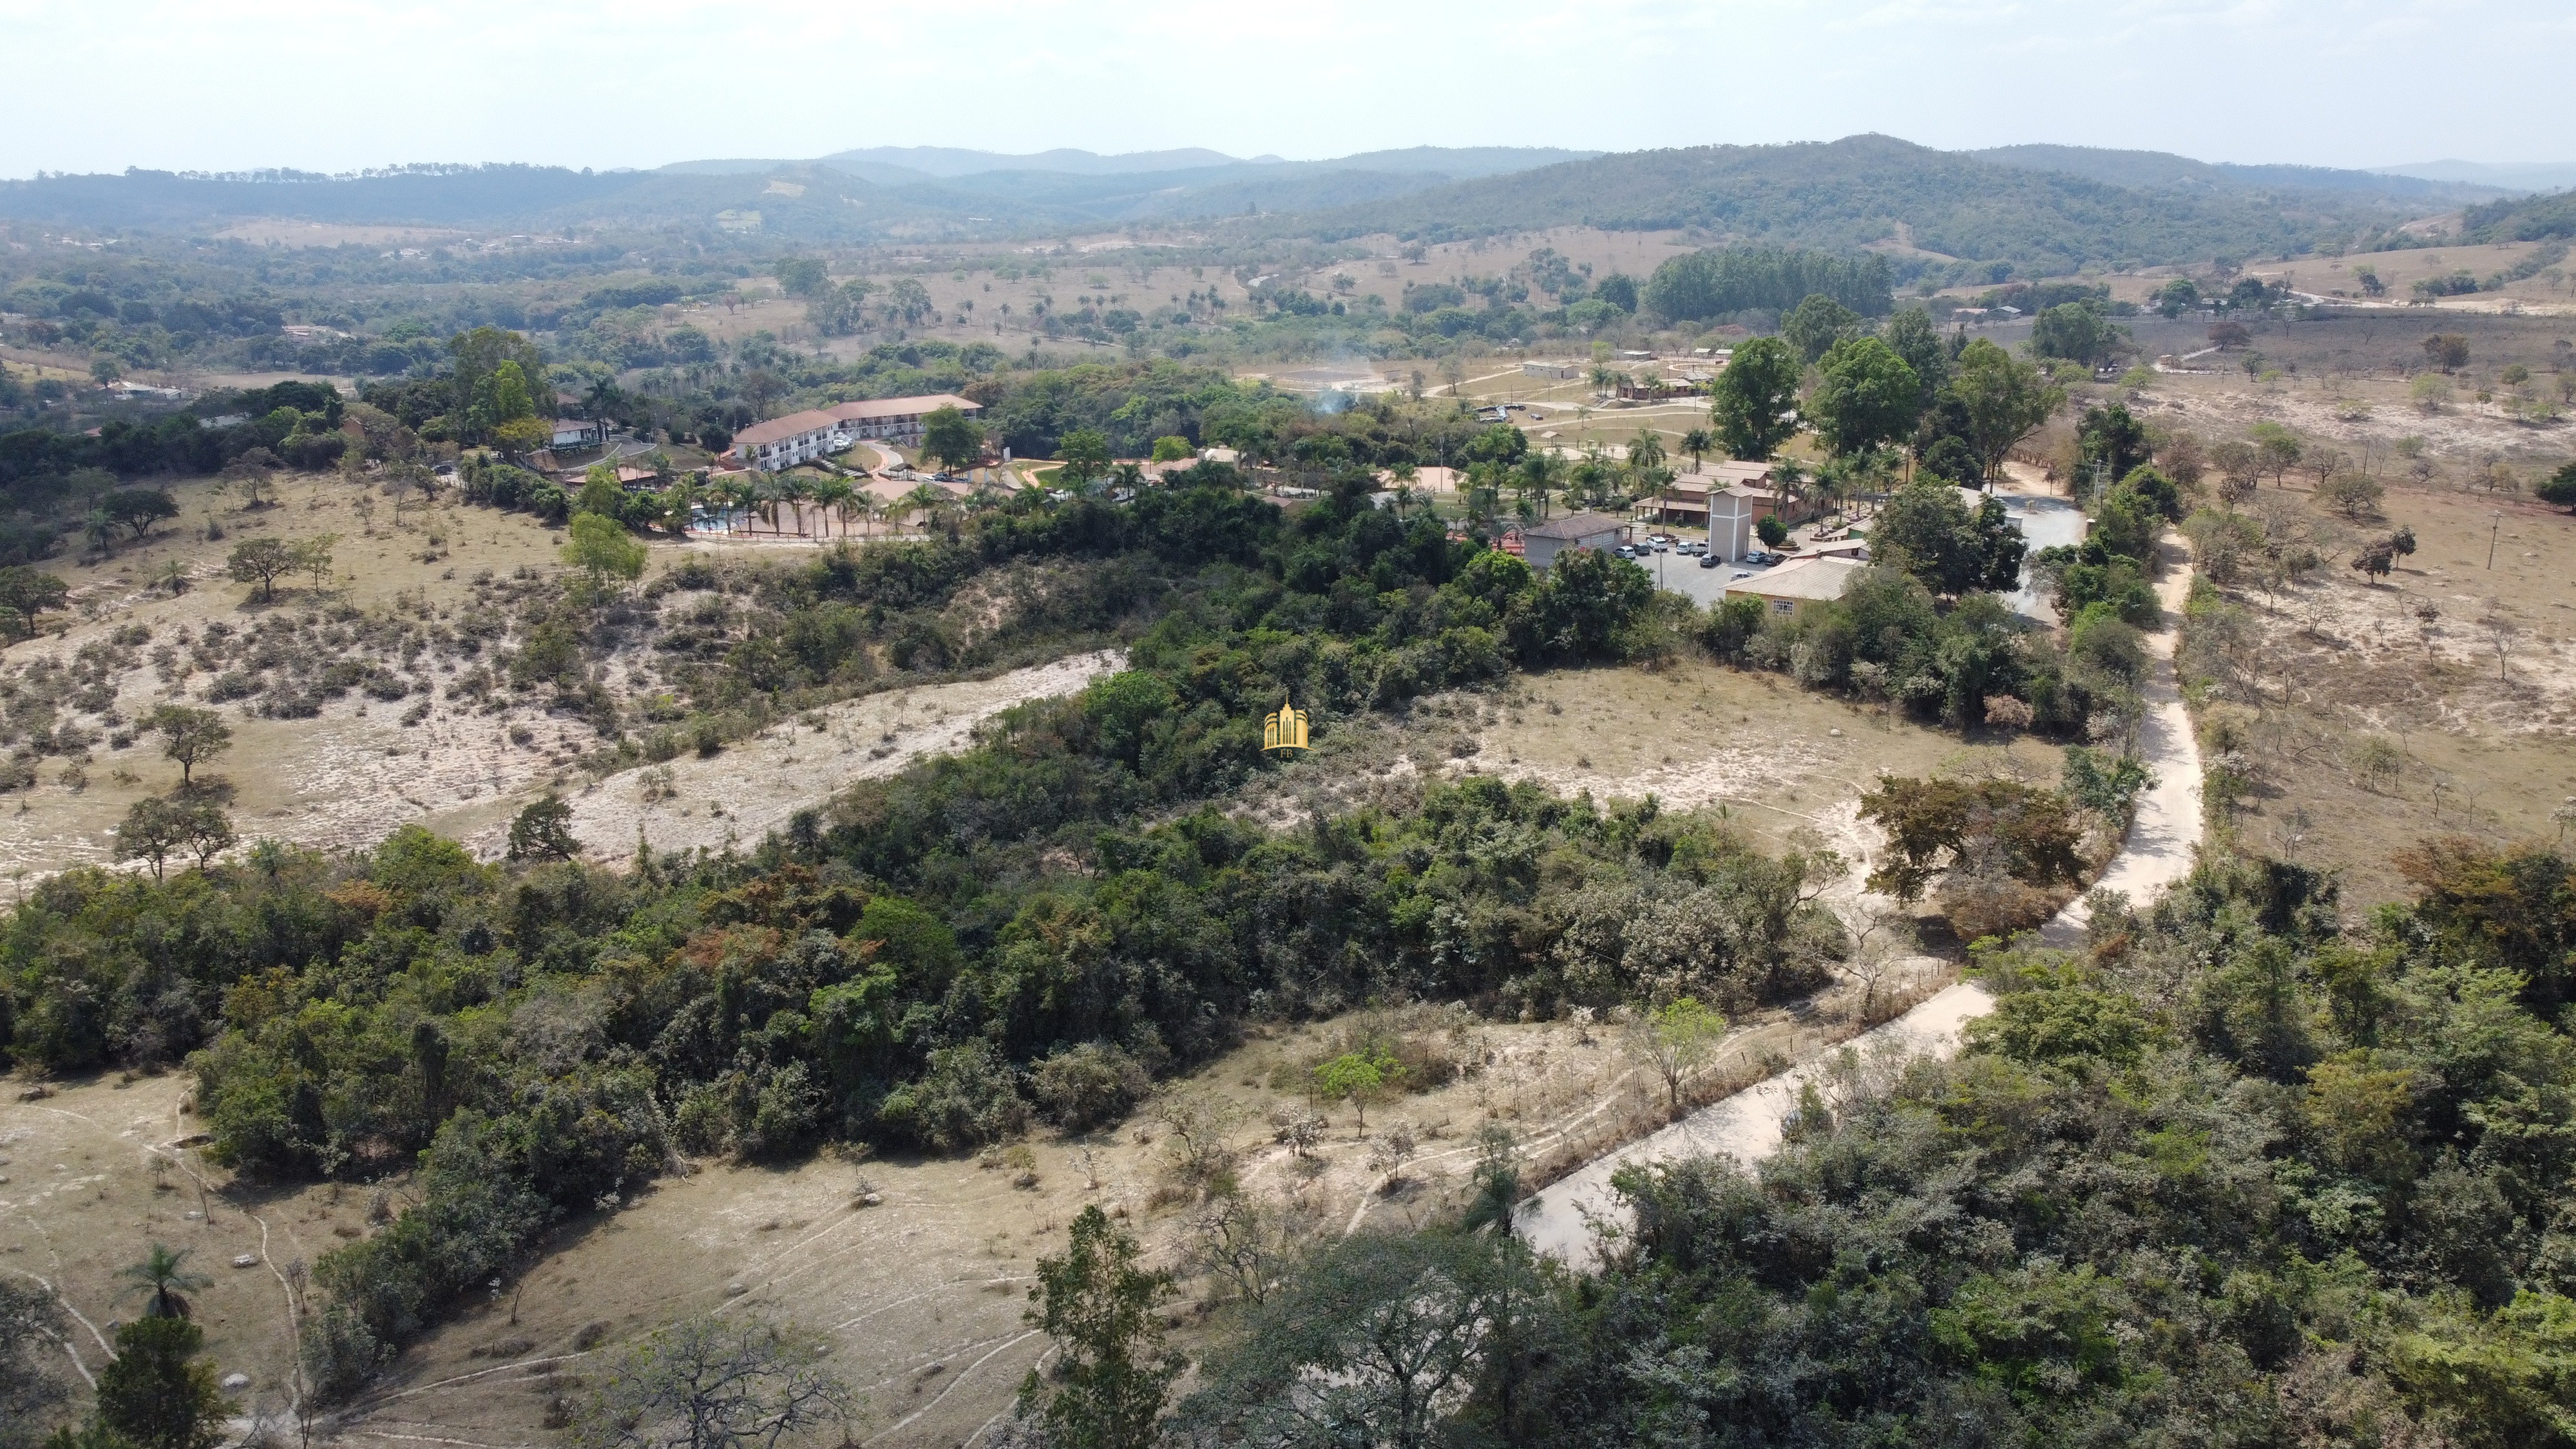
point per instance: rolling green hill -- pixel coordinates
(2158, 169)
(2527, 218)
(1869, 189)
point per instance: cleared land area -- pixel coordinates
(2366, 717)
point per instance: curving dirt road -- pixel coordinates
(1568, 1218)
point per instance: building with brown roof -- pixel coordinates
(1790, 588)
(782, 443)
(1542, 542)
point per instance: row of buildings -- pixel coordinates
(782, 443)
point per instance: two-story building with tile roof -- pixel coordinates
(782, 443)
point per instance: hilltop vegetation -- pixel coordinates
(1848, 194)
(2529, 218)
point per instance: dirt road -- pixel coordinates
(1566, 1219)
(754, 786)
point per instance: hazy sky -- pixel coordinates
(100, 85)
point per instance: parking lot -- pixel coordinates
(1683, 575)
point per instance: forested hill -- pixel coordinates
(1867, 189)
(836, 199)
(813, 200)
(2164, 169)
(2529, 218)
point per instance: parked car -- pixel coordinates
(1626, 550)
(1739, 574)
(1710, 560)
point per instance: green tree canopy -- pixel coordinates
(1085, 452)
(2078, 332)
(26, 593)
(157, 1392)
(1106, 1387)
(543, 831)
(1928, 531)
(950, 437)
(262, 561)
(802, 276)
(2005, 400)
(1816, 324)
(1914, 336)
(1753, 403)
(1866, 399)
(603, 550)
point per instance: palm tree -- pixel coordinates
(1697, 444)
(602, 399)
(1603, 378)
(796, 490)
(1537, 476)
(1646, 450)
(928, 501)
(764, 501)
(837, 495)
(726, 494)
(160, 1275)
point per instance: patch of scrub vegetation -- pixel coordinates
(535, 1039)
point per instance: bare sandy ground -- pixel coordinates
(1565, 1220)
(735, 798)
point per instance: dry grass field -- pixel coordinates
(339, 778)
(2376, 715)
(421, 604)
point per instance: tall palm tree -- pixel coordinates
(160, 1276)
(727, 494)
(601, 400)
(796, 490)
(1697, 443)
(928, 501)
(837, 495)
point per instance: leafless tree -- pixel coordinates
(1394, 1148)
(1249, 1242)
(1202, 1127)
(1300, 1129)
(1885, 938)
(737, 1382)
(2502, 636)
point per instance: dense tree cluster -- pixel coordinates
(1723, 282)
(2236, 1172)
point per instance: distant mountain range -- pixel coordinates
(2512, 176)
(2158, 169)
(899, 165)
(2043, 209)
(854, 196)
(2036, 210)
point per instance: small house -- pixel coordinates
(1790, 588)
(1542, 542)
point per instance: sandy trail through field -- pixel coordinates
(735, 798)
(1567, 1219)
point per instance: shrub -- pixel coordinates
(968, 1097)
(1086, 1086)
